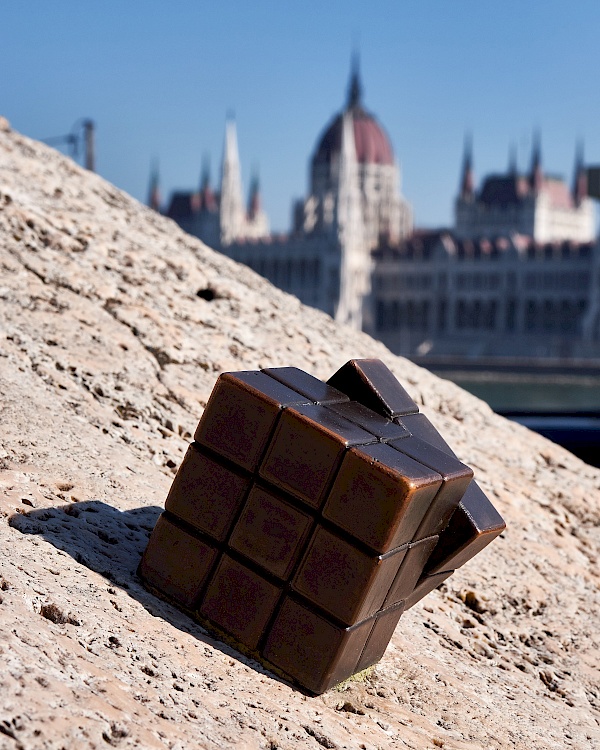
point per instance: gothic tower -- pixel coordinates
(231, 209)
(354, 260)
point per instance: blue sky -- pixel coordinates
(158, 78)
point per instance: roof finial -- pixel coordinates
(205, 174)
(512, 160)
(254, 202)
(466, 181)
(536, 176)
(580, 186)
(355, 88)
(154, 197)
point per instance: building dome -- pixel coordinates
(371, 141)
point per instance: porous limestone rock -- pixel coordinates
(109, 346)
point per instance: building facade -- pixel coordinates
(507, 296)
(353, 204)
(517, 275)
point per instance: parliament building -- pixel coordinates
(517, 275)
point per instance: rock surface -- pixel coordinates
(109, 347)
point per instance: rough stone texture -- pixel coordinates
(107, 357)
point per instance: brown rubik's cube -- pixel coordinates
(306, 517)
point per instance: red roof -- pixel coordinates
(371, 141)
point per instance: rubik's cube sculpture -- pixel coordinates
(306, 517)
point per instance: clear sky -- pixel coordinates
(159, 77)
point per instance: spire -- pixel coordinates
(254, 206)
(466, 180)
(354, 262)
(536, 175)
(512, 160)
(207, 201)
(231, 209)
(154, 197)
(580, 186)
(205, 173)
(355, 86)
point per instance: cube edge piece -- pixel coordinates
(379, 390)
(468, 533)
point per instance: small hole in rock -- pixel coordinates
(208, 294)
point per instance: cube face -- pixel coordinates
(342, 580)
(372, 384)
(239, 601)
(271, 532)
(380, 496)
(419, 426)
(425, 585)
(305, 519)
(380, 635)
(206, 493)
(306, 449)
(383, 429)
(474, 524)
(177, 563)
(410, 571)
(312, 650)
(314, 389)
(456, 477)
(240, 415)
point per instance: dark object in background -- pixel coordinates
(307, 517)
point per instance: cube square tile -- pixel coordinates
(207, 493)
(419, 426)
(344, 581)
(239, 601)
(380, 635)
(410, 571)
(455, 480)
(383, 429)
(372, 384)
(307, 385)
(176, 563)
(306, 449)
(425, 585)
(241, 414)
(270, 531)
(381, 495)
(311, 650)
(474, 524)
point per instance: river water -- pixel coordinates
(563, 408)
(557, 393)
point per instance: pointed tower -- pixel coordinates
(257, 222)
(355, 86)
(354, 256)
(580, 186)
(231, 209)
(254, 206)
(154, 197)
(467, 188)
(208, 202)
(536, 175)
(512, 161)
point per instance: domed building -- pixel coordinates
(386, 215)
(353, 205)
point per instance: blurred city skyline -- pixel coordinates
(159, 80)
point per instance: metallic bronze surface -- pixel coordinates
(206, 493)
(380, 496)
(305, 518)
(372, 384)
